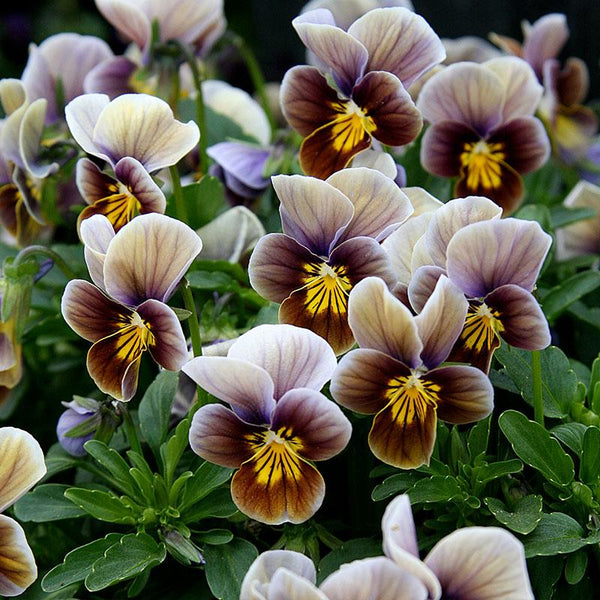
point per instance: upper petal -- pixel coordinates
(485, 255)
(17, 563)
(82, 114)
(294, 357)
(96, 234)
(545, 39)
(286, 585)
(399, 41)
(128, 18)
(148, 257)
(487, 563)
(21, 465)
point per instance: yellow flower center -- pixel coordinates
(135, 337)
(483, 164)
(327, 287)
(348, 130)
(119, 206)
(411, 396)
(482, 327)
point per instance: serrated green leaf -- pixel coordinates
(77, 564)
(556, 533)
(537, 448)
(206, 478)
(395, 484)
(155, 409)
(571, 435)
(114, 463)
(130, 556)
(560, 297)
(559, 381)
(216, 504)
(589, 468)
(346, 553)
(47, 502)
(499, 469)
(172, 449)
(524, 517)
(226, 565)
(434, 489)
(101, 505)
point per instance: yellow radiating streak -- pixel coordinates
(483, 164)
(327, 288)
(410, 397)
(482, 327)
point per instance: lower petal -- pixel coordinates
(276, 486)
(17, 564)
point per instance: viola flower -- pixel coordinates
(136, 135)
(136, 271)
(79, 411)
(482, 129)
(396, 374)
(495, 263)
(330, 241)
(199, 23)
(278, 422)
(21, 466)
(478, 563)
(582, 237)
(372, 65)
(56, 69)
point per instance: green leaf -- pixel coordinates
(525, 516)
(204, 200)
(216, 504)
(77, 564)
(576, 566)
(130, 556)
(496, 470)
(559, 381)
(114, 463)
(571, 435)
(347, 552)
(589, 468)
(226, 565)
(536, 447)
(562, 215)
(47, 502)
(101, 505)
(556, 533)
(173, 448)
(559, 298)
(58, 460)
(214, 537)
(155, 409)
(396, 484)
(207, 477)
(435, 489)
(477, 441)
(594, 386)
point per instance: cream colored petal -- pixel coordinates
(17, 564)
(374, 159)
(12, 94)
(21, 464)
(289, 586)
(421, 200)
(82, 114)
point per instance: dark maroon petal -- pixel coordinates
(572, 83)
(525, 325)
(442, 145)
(386, 103)
(138, 181)
(92, 183)
(307, 100)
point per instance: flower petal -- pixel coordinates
(128, 18)
(422, 284)
(91, 181)
(247, 387)
(341, 52)
(96, 233)
(524, 322)
(244, 162)
(21, 464)
(219, 436)
(376, 577)
(379, 204)
(82, 114)
(318, 426)
(111, 76)
(148, 257)
(487, 563)
(465, 92)
(485, 255)
(17, 563)
(313, 212)
(399, 41)
(545, 39)
(143, 127)
(441, 321)
(292, 356)
(466, 394)
(276, 486)
(381, 322)
(286, 585)
(169, 349)
(132, 174)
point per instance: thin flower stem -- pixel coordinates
(132, 436)
(538, 399)
(24, 254)
(180, 207)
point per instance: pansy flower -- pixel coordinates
(135, 271)
(482, 129)
(395, 373)
(372, 65)
(495, 263)
(278, 422)
(21, 466)
(137, 135)
(330, 241)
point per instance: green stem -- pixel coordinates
(258, 80)
(200, 112)
(132, 436)
(180, 207)
(538, 399)
(26, 253)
